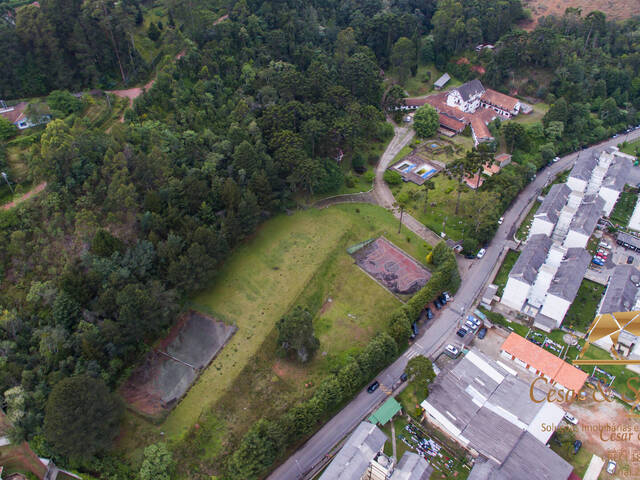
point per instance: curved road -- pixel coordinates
(310, 458)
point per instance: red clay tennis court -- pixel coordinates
(391, 267)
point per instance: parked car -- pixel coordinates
(437, 304)
(373, 387)
(482, 333)
(611, 467)
(576, 446)
(414, 327)
(604, 245)
(470, 326)
(451, 351)
(629, 259)
(481, 253)
(429, 313)
(597, 261)
(447, 297)
(500, 220)
(555, 159)
(473, 319)
(443, 299)
(404, 377)
(462, 332)
(570, 418)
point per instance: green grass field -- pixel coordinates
(583, 309)
(296, 259)
(623, 208)
(632, 148)
(539, 109)
(420, 84)
(441, 205)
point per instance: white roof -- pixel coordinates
(549, 414)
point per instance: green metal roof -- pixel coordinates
(386, 412)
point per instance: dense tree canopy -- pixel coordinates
(82, 417)
(295, 334)
(426, 121)
(252, 116)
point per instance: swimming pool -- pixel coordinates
(429, 173)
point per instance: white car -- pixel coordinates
(451, 351)
(611, 467)
(481, 253)
(570, 418)
(604, 245)
(556, 159)
(500, 220)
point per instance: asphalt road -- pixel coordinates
(433, 337)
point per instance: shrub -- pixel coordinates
(369, 176)
(392, 178)
(357, 163)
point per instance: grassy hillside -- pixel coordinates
(297, 259)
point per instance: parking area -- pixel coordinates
(622, 256)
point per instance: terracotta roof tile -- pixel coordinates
(553, 367)
(451, 123)
(474, 181)
(500, 100)
(491, 169)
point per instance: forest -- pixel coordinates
(248, 122)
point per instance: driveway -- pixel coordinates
(310, 458)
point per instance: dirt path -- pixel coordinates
(35, 190)
(135, 92)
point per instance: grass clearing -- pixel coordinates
(440, 212)
(503, 273)
(623, 208)
(539, 110)
(422, 82)
(631, 148)
(583, 309)
(296, 259)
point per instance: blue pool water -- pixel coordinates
(429, 173)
